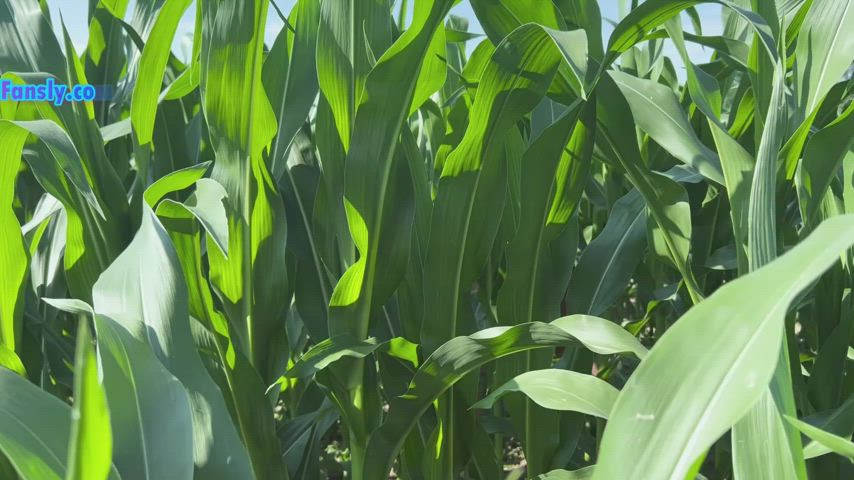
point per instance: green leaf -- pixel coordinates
(252, 283)
(8, 359)
(173, 182)
(150, 410)
(151, 66)
(28, 40)
(711, 382)
(330, 351)
(832, 442)
(241, 385)
(653, 13)
(666, 199)
(90, 449)
(824, 51)
(144, 292)
(657, 111)
(13, 253)
(822, 158)
(94, 235)
(34, 428)
(608, 262)
(765, 421)
(206, 203)
(293, 93)
(585, 473)
(456, 358)
(554, 172)
(464, 215)
(556, 389)
(350, 33)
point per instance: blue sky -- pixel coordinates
(75, 19)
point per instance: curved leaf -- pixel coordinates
(607, 264)
(144, 292)
(711, 382)
(456, 358)
(150, 411)
(151, 66)
(563, 390)
(34, 428)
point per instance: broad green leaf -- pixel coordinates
(13, 253)
(762, 225)
(456, 358)
(90, 449)
(252, 283)
(515, 80)
(839, 421)
(293, 93)
(765, 420)
(657, 112)
(116, 7)
(241, 385)
(206, 203)
(116, 130)
(539, 256)
(433, 72)
(608, 262)
(65, 154)
(34, 428)
(373, 220)
(150, 411)
(330, 351)
(94, 235)
(586, 15)
(736, 163)
(173, 182)
(711, 382)
(29, 44)
(666, 200)
(238, 113)
(559, 158)
(556, 389)
(350, 34)
(730, 48)
(822, 158)
(144, 292)
(152, 64)
(824, 51)
(377, 189)
(499, 18)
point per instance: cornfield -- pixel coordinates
(385, 245)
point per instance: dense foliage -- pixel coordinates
(386, 246)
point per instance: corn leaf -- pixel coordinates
(662, 435)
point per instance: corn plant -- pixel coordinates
(386, 246)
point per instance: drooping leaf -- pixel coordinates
(833, 442)
(559, 390)
(453, 360)
(662, 434)
(144, 293)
